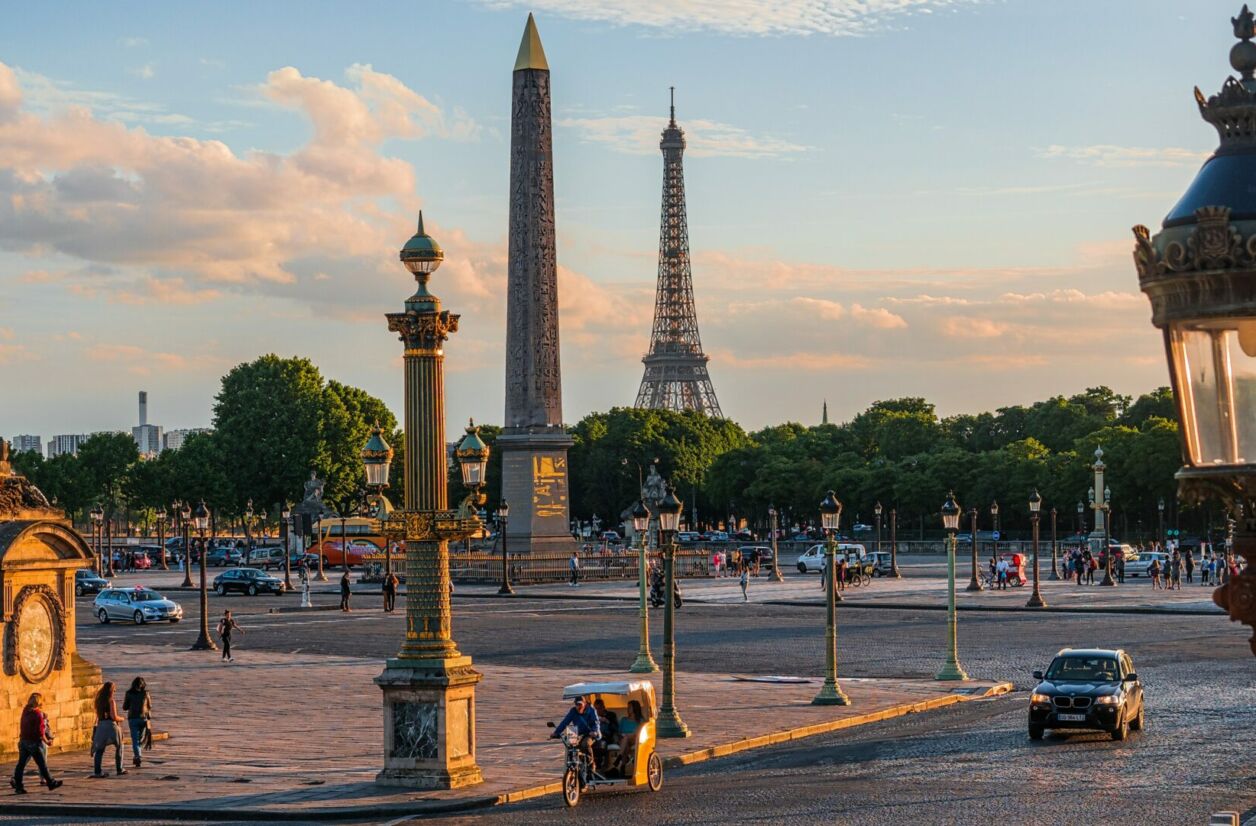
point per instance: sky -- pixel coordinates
(886, 198)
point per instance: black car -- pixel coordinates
(87, 582)
(247, 581)
(1088, 688)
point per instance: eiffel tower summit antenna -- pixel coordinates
(676, 375)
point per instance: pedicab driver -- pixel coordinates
(584, 718)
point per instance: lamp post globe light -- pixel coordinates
(1055, 549)
(950, 521)
(186, 514)
(429, 686)
(1035, 505)
(644, 663)
(974, 582)
(200, 518)
(503, 522)
(97, 515)
(831, 693)
(670, 724)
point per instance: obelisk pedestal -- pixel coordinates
(533, 441)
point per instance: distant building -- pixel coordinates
(67, 443)
(147, 436)
(32, 444)
(174, 439)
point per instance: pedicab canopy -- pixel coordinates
(637, 687)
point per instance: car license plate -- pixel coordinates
(1071, 718)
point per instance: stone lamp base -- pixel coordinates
(429, 724)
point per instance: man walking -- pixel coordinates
(573, 566)
(344, 591)
(390, 592)
(33, 740)
(744, 581)
(226, 626)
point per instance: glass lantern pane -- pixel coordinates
(1215, 362)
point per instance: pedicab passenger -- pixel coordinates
(628, 728)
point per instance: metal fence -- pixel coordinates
(526, 569)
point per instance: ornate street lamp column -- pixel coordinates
(950, 520)
(974, 582)
(670, 724)
(185, 514)
(429, 687)
(644, 664)
(285, 515)
(1160, 528)
(831, 693)
(98, 518)
(203, 641)
(894, 544)
(1035, 599)
(776, 557)
(503, 522)
(162, 517)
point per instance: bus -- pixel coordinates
(361, 536)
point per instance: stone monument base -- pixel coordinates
(534, 482)
(429, 723)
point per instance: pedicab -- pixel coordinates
(1015, 569)
(632, 761)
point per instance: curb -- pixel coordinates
(889, 606)
(423, 808)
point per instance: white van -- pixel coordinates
(812, 559)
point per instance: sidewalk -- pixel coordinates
(299, 736)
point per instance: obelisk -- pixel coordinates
(533, 440)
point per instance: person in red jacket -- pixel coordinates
(33, 740)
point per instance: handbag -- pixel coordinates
(146, 739)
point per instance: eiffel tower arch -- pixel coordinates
(676, 376)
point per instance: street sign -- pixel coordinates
(995, 536)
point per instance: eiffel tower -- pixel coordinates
(676, 375)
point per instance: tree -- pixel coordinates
(1158, 404)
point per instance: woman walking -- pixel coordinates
(138, 707)
(225, 626)
(1153, 570)
(744, 581)
(33, 739)
(108, 731)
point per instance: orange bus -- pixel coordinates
(361, 536)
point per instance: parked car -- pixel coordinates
(139, 605)
(762, 552)
(1137, 564)
(611, 536)
(715, 536)
(272, 557)
(880, 563)
(688, 537)
(812, 559)
(1088, 688)
(222, 556)
(860, 527)
(87, 582)
(744, 536)
(249, 581)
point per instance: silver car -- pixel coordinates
(139, 605)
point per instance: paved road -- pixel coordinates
(971, 764)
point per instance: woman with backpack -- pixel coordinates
(138, 707)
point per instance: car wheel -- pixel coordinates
(571, 787)
(252, 590)
(1122, 730)
(1138, 722)
(103, 616)
(220, 589)
(174, 620)
(138, 616)
(802, 567)
(78, 590)
(1036, 732)
(654, 772)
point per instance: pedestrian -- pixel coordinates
(1088, 560)
(34, 737)
(994, 571)
(744, 581)
(1001, 570)
(345, 592)
(390, 592)
(1153, 570)
(1120, 568)
(1176, 567)
(108, 730)
(715, 563)
(304, 572)
(1190, 567)
(138, 707)
(841, 574)
(573, 567)
(226, 626)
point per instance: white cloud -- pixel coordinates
(742, 17)
(639, 135)
(1109, 155)
(132, 42)
(146, 72)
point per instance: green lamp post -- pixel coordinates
(669, 724)
(644, 664)
(950, 521)
(831, 693)
(1035, 505)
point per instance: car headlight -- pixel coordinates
(1110, 700)
(1039, 698)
